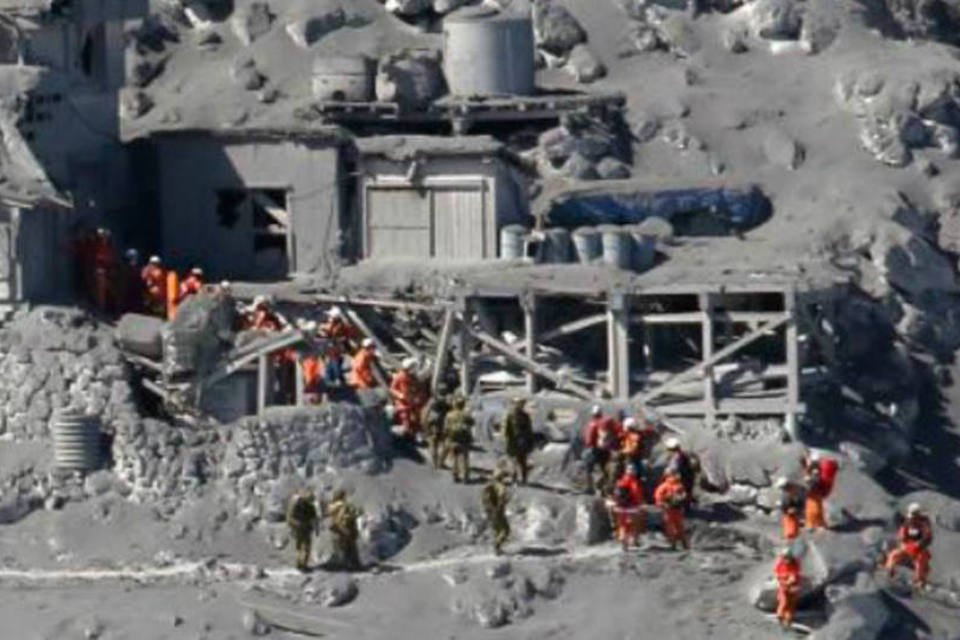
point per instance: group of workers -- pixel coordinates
(118, 284)
(303, 519)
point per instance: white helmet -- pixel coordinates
(914, 509)
(408, 363)
(197, 271)
(782, 482)
(596, 410)
(631, 423)
(132, 253)
(671, 444)
(335, 312)
(259, 300)
(225, 284)
(154, 259)
(814, 456)
(367, 343)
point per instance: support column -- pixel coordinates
(709, 391)
(528, 302)
(793, 364)
(298, 383)
(618, 346)
(465, 347)
(263, 382)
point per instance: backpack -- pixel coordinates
(490, 499)
(828, 475)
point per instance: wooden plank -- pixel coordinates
(376, 302)
(252, 352)
(263, 381)
(573, 327)
(529, 305)
(706, 319)
(695, 317)
(298, 383)
(618, 347)
(727, 351)
(529, 364)
(143, 361)
(465, 347)
(443, 348)
(793, 366)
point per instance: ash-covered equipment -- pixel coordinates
(343, 78)
(487, 52)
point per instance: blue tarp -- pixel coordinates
(742, 209)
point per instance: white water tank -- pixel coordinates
(487, 52)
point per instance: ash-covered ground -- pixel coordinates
(844, 112)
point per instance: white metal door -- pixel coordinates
(398, 223)
(459, 229)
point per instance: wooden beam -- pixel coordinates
(465, 347)
(793, 367)
(733, 406)
(573, 327)
(443, 347)
(298, 398)
(530, 365)
(529, 305)
(695, 317)
(727, 351)
(251, 352)
(374, 302)
(618, 346)
(263, 381)
(706, 319)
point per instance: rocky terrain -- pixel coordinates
(845, 113)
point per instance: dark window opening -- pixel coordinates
(86, 55)
(228, 207)
(260, 215)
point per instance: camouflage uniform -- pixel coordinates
(518, 437)
(343, 526)
(495, 499)
(434, 416)
(302, 520)
(458, 427)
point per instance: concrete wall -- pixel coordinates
(192, 169)
(36, 260)
(510, 204)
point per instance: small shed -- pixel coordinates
(252, 204)
(33, 226)
(436, 197)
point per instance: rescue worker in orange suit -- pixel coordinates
(263, 317)
(154, 280)
(600, 441)
(914, 538)
(633, 446)
(627, 499)
(787, 573)
(671, 497)
(104, 265)
(813, 505)
(790, 503)
(361, 370)
(339, 335)
(192, 284)
(405, 395)
(685, 465)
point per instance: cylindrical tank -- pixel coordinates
(644, 249)
(557, 247)
(489, 52)
(343, 78)
(586, 244)
(617, 246)
(511, 241)
(77, 441)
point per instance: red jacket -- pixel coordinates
(670, 494)
(916, 533)
(601, 432)
(361, 375)
(633, 488)
(402, 388)
(155, 280)
(190, 286)
(787, 572)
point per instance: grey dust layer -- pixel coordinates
(845, 111)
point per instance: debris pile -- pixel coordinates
(59, 357)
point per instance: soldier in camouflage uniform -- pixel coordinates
(495, 499)
(343, 526)
(302, 520)
(434, 417)
(458, 427)
(518, 437)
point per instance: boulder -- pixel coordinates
(881, 138)
(644, 39)
(592, 521)
(408, 8)
(245, 74)
(412, 79)
(251, 21)
(199, 335)
(645, 126)
(555, 29)
(324, 17)
(859, 612)
(679, 36)
(734, 39)
(386, 531)
(579, 167)
(252, 623)
(863, 457)
(584, 65)
(774, 19)
(134, 104)
(782, 150)
(140, 334)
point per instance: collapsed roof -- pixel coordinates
(23, 181)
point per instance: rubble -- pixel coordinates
(556, 31)
(412, 79)
(584, 65)
(251, 21)
(323, 18)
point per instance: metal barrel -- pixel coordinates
(558, 249)
(511, 241)
(644, 249)
(617, 247)
(76, 441)
(586, 244)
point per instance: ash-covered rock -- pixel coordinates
(386, 531)
(412, 79)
